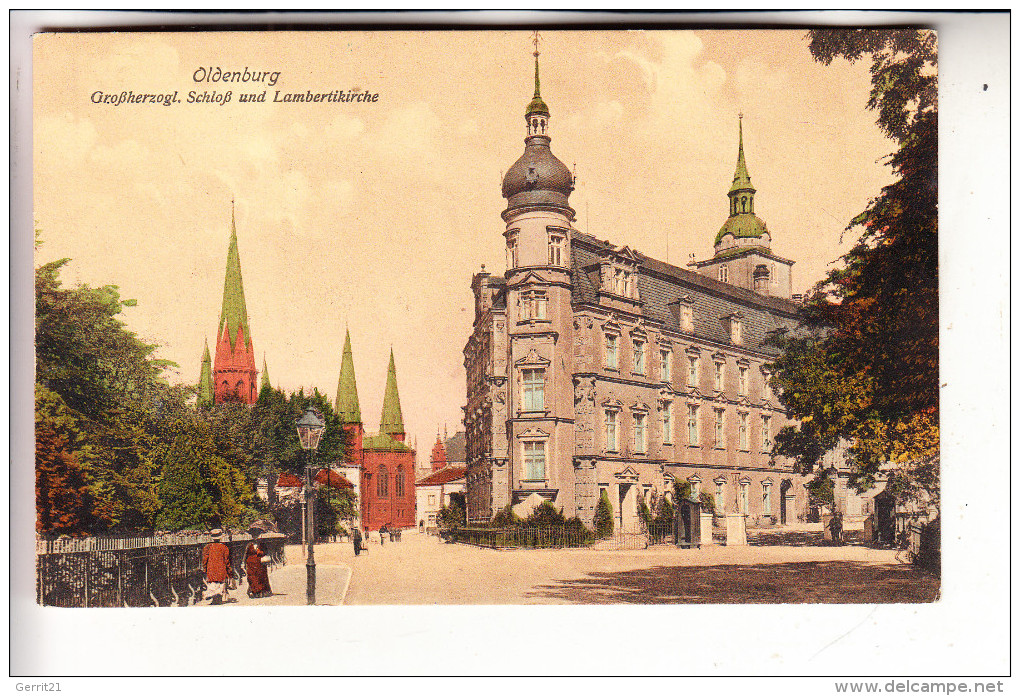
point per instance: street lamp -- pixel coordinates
(310, 428)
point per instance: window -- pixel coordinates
(692, 424)
(432, 500)
(612, 359)
(667, 422)
(398, 482)
(556, 255)
(742, 381)
(534, 461)
(639, 357)
(724, 274)
(687, 317)
(611, 431)
(665, 358)
(639, 432)
(766, 498)
(744, 486)
(766, 433)
(534, 390)
(719, 441)
(382, 483)
(767, 385)
(621, 282)
(720, 496)
(692, 375)
(695, 487)
(719, 381)
(511, 251)
(743, 431)
(629, 289)
(533, 305)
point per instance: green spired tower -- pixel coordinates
(347, 405)
(205, 383)
(264, 383)
(392, 421)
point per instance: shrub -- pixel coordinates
(506, 518)
(707, 502)
(666, 511)
(545, 515)
(646, 514)
(604, 517)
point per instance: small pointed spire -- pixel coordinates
(392, 420)
(537, 105)
(264, 384)
(741, 179)
(347, 405)
(206, 394)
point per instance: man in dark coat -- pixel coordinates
(357, 541)
(216, 563)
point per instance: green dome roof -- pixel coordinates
(742, 226)
(537, 106)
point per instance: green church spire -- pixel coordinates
(205, 383)
(392, 421)
(264, 384)
(741, 179)
(347, 405)
(235, 313)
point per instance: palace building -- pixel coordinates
(385, 463)
(232, 377)
(593, 367)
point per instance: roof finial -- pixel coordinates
(535, 38)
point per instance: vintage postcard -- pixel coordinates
(486, 317)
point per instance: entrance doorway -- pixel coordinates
(785, 501)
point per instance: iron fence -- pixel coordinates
(134, 572)
(563, 537)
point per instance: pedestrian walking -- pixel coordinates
(357, 541)
(216, 564)
(382, 535)
(255, 559)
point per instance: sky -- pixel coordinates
(373, 216)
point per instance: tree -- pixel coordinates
(863, 368)
(545, 515)
(453, 516)
(603, 517)
(61, 495)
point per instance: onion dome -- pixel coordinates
(742, 222)
(537, 177)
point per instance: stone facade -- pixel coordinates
(593, 367)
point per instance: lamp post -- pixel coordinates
(310, 428)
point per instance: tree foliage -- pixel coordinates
(120, 450)
(863, 369)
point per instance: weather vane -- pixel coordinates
(535, 38)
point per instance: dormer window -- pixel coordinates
(724, 273)
(686, 314)
(736, 328)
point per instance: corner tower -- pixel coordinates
(234, 373)
(743, 246)
(537, 391)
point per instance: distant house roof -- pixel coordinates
(288, 480)
(332, 479)
(456, 448)
(447, 475)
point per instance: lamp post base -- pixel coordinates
(310, 568)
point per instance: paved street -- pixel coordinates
(424, 570)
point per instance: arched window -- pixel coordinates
(743, 204)
(382, 484)
(398, 482)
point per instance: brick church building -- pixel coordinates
(594, 369)
(385, 461)
(232, 377)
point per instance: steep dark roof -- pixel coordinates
(660, 284)
(450, 473)
(456, 447)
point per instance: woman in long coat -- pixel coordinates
(255, 569)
